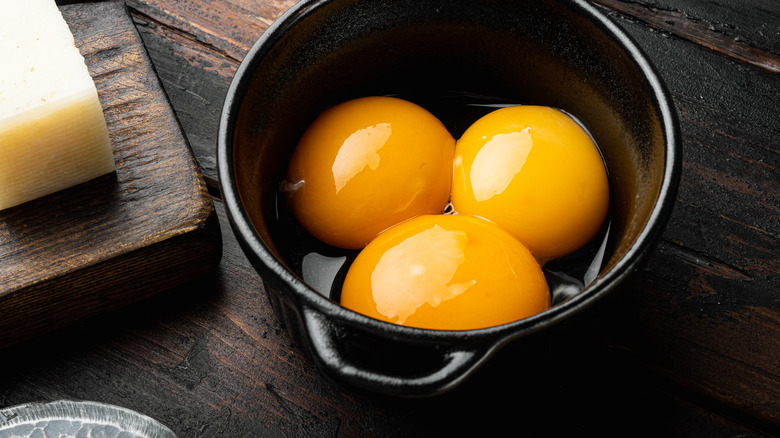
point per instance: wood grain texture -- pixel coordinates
(121, 237)
(745, 31)
(689, 348)
(705, 311)
(209, 359)
(716, 270)
(197, 47)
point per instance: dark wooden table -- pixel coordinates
(690, 348)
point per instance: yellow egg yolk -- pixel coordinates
(537, 173)
(367, 164)
(447, 272)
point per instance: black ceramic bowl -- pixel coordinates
(564, 54)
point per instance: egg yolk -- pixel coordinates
(367, 164)
(447, 272)
(537, 173)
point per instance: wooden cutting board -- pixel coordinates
(122, 237)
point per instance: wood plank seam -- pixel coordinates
(174, 33)
(698, 31)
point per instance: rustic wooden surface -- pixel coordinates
(690, 348)
(121, 237)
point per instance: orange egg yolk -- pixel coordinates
(367, 164)
(447, 272)
(537, 173)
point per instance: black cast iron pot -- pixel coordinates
(564, 54)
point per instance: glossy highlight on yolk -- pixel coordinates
(446, 272)
(525, 184)
(537, 173)
(367, 164)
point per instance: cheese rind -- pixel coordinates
(53, 133)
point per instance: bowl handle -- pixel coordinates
(327, 346)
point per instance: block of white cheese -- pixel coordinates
(53, 134)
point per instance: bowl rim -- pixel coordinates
(306, 296)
